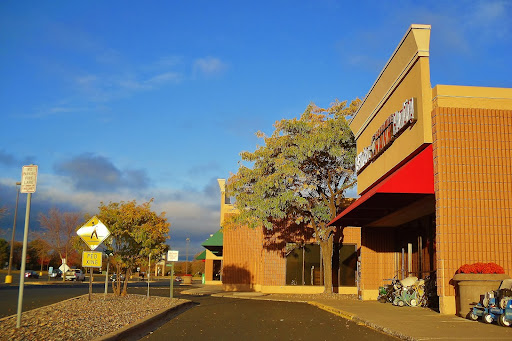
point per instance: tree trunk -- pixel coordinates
(116, 286)
(327, 249)
(125, 284)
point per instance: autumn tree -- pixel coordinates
(136, 233)
(58, 230)
(300, 174)
(39, 252)
(196, 267)
(4, 252)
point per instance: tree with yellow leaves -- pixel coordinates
(136, 232)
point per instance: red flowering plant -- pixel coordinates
(481, 268)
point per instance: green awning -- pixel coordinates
(214, 243)
(201, 256)
(214, 240)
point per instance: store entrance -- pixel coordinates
(415, 245)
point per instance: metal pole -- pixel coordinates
(8, 278)
(106, 279)
(90, 284)
(403, 263)
(172, 280)
(186, 266)
(149, 271)
(409, 259)
(23, 261)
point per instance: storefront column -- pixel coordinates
(377, 260)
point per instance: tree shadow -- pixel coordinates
(236, 278)
(285, 232)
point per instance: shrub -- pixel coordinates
(481, 268)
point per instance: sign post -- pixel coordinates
(108, 253)
(91, 259)
(172, 256)
(28, 185)
(93, 233)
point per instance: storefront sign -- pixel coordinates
(394, 125)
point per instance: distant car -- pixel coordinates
(75, 275)
(178, 279)
(113, 278)
(31, 274)
(56, 273)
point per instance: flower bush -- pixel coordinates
(481, 268)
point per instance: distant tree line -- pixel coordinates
(137, 236)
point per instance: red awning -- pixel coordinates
(408, 184)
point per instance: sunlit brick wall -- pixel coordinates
(472, 151)
(242, 255)
(378, 257)
(352, 235)
(208, 270)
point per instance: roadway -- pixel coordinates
(212, 318)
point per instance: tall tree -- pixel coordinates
(58, 230)
(39, 250)
(4, 252)
(300, 174)
(136, 234)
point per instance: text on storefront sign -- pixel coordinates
(394, 125)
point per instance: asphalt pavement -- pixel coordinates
(219, 318)
(407, 323)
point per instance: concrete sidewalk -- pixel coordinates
(406, 323)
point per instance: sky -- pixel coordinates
(133, 100)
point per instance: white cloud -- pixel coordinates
(190, 212)
(209, 66)
(488, 12)
(163, 78)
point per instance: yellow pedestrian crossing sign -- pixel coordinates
(91, 259)
(93, 233)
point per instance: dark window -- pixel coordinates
(303, 265)
(217, 268)
(348, 265)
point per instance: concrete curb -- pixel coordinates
(359, 321)
(139, 328)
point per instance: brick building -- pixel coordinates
(285, 259)
(434, 174)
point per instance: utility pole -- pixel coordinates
(186, 266)
(8, 278)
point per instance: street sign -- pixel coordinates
(28, 179)
(93, 233)
(64, 268)
(91, 259)
(172, 256)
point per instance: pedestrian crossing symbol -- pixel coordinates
(93, 233)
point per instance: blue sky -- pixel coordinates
(124, 100)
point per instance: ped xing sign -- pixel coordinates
(91, 259)
(93, 233)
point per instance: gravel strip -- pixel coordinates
(81, 319)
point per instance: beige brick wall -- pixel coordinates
(257, 256)
(377, 256)
(472, 151)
